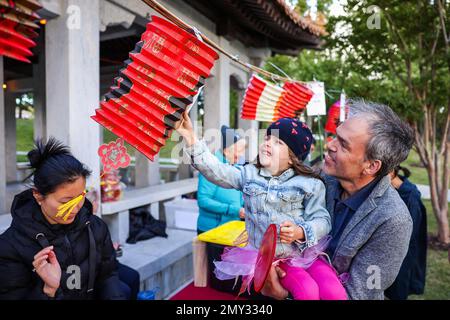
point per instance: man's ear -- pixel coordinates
(373, 168)
(39, 197)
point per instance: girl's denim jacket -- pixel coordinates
(268, 199)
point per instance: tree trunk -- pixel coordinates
(434, 192)
(443, 228)
(438, 187)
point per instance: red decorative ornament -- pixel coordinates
(333, 119)
(114, 155)
(17, 28)
(157, 84)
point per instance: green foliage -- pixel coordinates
(25, 103)
(370, 62)
(419, 174)
(403, 56)
(234, 108)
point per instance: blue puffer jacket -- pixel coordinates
(217, 205)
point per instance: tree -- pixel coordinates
(407, 43)
(24, 103)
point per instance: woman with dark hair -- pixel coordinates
(55, 247)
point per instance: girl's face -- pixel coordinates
(274, 155)
(64, 193)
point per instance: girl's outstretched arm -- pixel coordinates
(221, 174)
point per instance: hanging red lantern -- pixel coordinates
(17, 24)
(333, 119)
(157, 84)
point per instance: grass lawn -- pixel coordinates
(438, 266)
(24, 132)
(437, 285)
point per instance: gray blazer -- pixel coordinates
(375, 241)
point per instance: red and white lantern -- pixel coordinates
(264, 101)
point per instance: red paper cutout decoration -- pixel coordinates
(114, 155)
(157, 84)
(17, 28)
(264, 101)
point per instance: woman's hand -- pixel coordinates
(185, 128)
(47, 267)
(290, 232)
(272, 287)
(242, 213)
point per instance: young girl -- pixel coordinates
(279, 190)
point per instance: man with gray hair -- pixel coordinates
(371, 224)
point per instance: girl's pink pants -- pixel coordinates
(318, 282)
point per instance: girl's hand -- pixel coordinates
(185, 128)
(290, 232)
(47, 267)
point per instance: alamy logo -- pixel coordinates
(374, 279)
(74, 280)
(374, 20)
(374, 12)
(74, 17)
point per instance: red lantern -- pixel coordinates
(333, 119)
(16, 28)
(156, 85)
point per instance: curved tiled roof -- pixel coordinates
(262, 23)
(302, 22)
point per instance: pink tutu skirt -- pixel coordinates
(238, 261)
